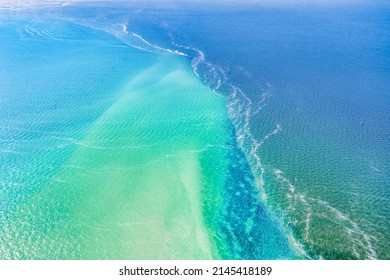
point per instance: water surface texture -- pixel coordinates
(219, 131)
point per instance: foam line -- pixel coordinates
(350, 226)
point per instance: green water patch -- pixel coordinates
(133, 188)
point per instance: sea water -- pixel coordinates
(112, 148)
(309, 94)
(163, 131)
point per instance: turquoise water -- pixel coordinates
(112, 148)
(145, 131)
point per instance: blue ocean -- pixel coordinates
(193, 130)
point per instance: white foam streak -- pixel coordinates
(124, 28)
(352, 230)
(213, 75)
(123, 34)
(357, 235)
(153, 45)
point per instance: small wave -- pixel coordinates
(32, 31)
(8, 151)
(37, 31)
(351, 228)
